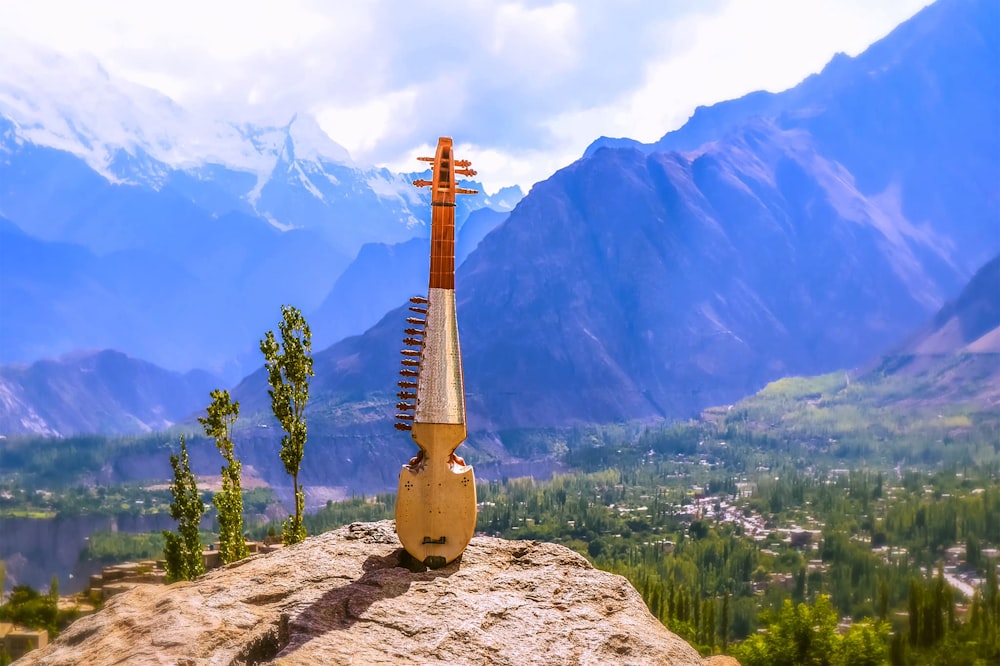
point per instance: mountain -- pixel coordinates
(105, 392)
(901, 118)
(970, 324)
(383, 275)
(477, 225)
(651, 284)
(377, 280)
(198, 311)
(955, 358)
(187, 234)
(933, 399)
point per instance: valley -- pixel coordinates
(752, 366)
(718, 522)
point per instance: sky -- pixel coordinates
(523, 87)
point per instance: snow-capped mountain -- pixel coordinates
(133, 135)
(170, 217)
(74, 105)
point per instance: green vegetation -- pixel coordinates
(807, 634)
(47, 462)
(114, 547)
(337, 514)
(29, 608)
(26, 502)
(878, 420)
(222, 414)
(182, 550)
(289, 367)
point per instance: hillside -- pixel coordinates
(956, 356)
(97, 392)
(936, 397)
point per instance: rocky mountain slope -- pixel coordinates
(347, 597)
(955, 358)
(969, 323)
(104, 392)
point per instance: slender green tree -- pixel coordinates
(183, 549)
(724, 629)
(222, 414)
(289, 366)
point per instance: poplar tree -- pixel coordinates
(183, 549)
(289, 366)
(724, 629)
(222, 414)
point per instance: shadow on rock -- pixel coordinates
(385, 577)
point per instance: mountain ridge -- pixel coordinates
(123, 395)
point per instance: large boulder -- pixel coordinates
(353, 596)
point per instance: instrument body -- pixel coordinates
(436, 499)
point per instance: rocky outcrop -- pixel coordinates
(353, 596)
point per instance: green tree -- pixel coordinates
(864, 644)
(222, 414)
(289, 366)
(31, 609)
(801, 635)
(183, 549)
(724, 628)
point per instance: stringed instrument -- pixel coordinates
(436, 499)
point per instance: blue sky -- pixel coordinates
(523, 87)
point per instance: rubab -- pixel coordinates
(436, 500)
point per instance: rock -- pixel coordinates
(353, 596)
(720, 660)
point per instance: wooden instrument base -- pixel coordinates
(436, 498)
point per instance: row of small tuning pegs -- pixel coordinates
(410, 371)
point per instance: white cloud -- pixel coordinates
(526, 86)
(545, 40)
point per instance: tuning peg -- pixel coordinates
(405, 406)
(403, 426)
(409, 352)
(409, 373)
(462, 163)
(414, 320)
(406, 395)
(404, 417)
(410, 362)
(406, 385)
(466, 172)
(412, 341)
(426, 159)
(418, 300)
(422, 311)
(463, 190)
(421, 182)
(413, 331)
